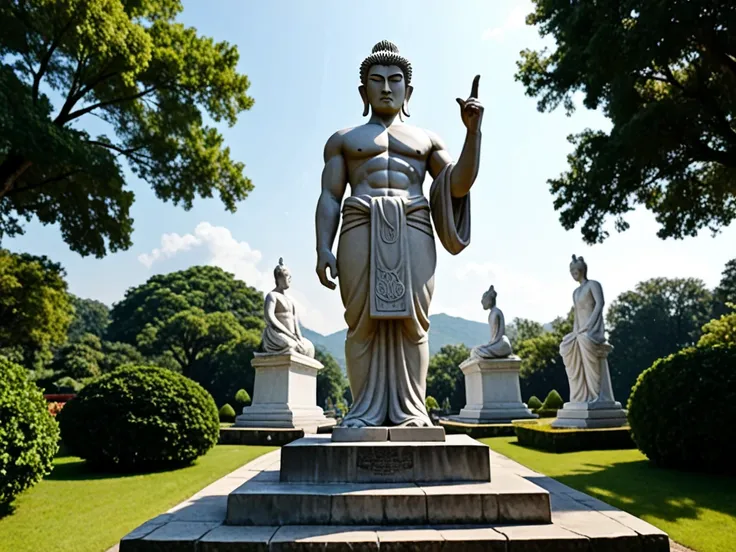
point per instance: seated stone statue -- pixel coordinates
(282, 333)
(499, 346)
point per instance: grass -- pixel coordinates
(696, 510)
(75, 510)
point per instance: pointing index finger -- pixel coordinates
(474, 88)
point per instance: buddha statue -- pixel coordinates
(386, 253)
(585, 350)
(499, 346)
(283, 333)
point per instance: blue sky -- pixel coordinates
(302, 59)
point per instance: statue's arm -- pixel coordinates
(597, 291)
(465, 170)
(269, 312)
(327, 218)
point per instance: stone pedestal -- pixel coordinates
(492, 391)
(591, 415)
(285, 394)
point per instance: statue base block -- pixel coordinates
(284, 394)
(376, 434)
(317, 459)
(591, 415)
(492, 392)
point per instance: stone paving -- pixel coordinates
(579, 522)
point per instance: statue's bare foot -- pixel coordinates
(353, 423)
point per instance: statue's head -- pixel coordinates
(385, 78)
(282, 275)
(489, 298)
(578, 269)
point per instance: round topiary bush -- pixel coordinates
(242, 399)
(140, 418)
(553, 401)
(227, 413)
(29, 436)
(534, 403)
(672, 407)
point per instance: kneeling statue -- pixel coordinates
(499, 346)
(282, 333)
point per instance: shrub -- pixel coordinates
(686, 435)
(553, 401)
(29, 436)
(242, 399)
(227, 414)
(534, 403)
(140, 418)
(431, 403)
(544, 437)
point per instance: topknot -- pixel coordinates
(385, 46)
(385, 52)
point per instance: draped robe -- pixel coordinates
(499, 346)
(585, 354)
(386, 261)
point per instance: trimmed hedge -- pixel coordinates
(534, 403)
(696, 430)
(140, 418)
(553, 401)
(544, 437)
(227, 413)
(546, 412)
(29, 436)
(242, 399)
(477, 431)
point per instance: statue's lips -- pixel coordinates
(389, 100)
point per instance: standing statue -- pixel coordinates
(282, 333)
(585, 350)
(499, 346)
(386, 253)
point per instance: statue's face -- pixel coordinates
(284, 280)
(385, 88)
(576, 273)
(487, 301)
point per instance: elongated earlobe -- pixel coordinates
(405, 105)
(364, 96)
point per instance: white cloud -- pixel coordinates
(238, 258)
(515, 20)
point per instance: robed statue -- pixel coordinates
(585, 350)
(386, 251)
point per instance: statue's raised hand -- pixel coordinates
(326, 259)
(471, 109)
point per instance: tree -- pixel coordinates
(725, 292)
(228, 369)
(35, 311)
(190, 336)
(90, 317)
(664, 74)
(721, 331)
(525, 329)
(542, 368)
(208, 288)
(445, 380)
(151, 80)
(658, 318)
(331, 382)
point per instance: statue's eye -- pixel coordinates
(395, 78)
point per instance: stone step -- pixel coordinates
(317, 459)
(508, 499)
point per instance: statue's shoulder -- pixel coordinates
(437, 142)
(335, 143)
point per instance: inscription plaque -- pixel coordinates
(385, 461)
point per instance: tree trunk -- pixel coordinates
(11, 169)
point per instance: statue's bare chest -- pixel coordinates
(402, 141)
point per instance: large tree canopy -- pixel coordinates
(331, 381)
(35, 310)
(445, 380)
(90, 317)
(164, 296)
(151, 80)
(725, 292)
(658, 318)
(664, 73)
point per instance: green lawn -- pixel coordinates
(74, 510)
(696, 510)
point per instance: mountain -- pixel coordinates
(443, 330)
